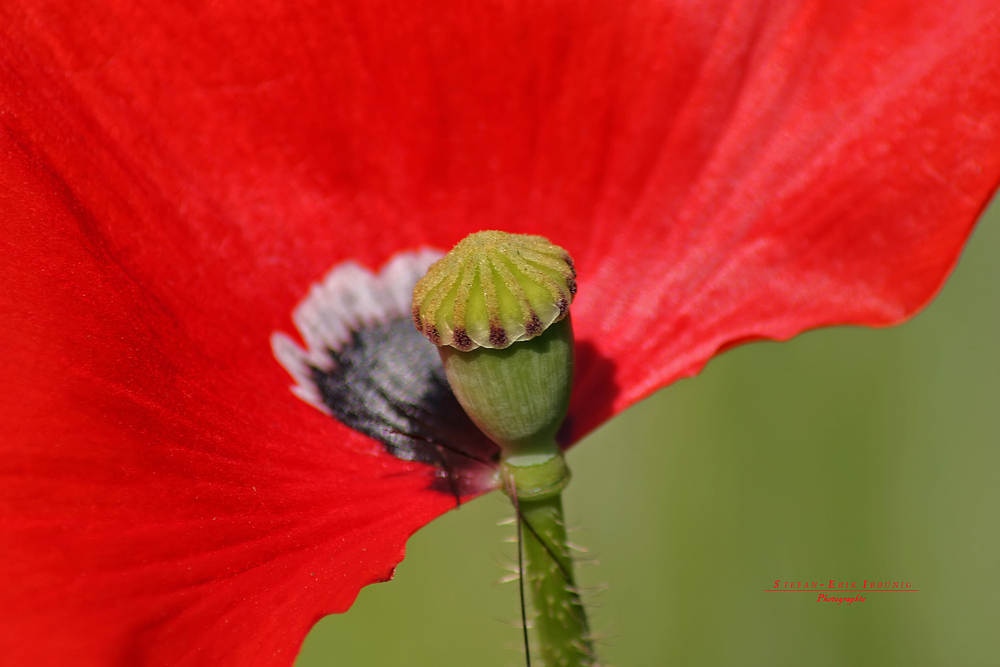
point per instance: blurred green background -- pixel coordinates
(844, 454)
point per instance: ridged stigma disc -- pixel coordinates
(494, 289)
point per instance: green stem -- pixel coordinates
(561, 622)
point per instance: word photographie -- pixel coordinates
(826, 598)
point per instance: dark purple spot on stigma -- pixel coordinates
(498, 336)
(534, 326)
(569, 263)
(571, 285)
(461, 340)
(417, 322)
(432, 334)
(563, 308)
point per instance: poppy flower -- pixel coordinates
(176, 176)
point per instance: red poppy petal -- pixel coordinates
(166, 500)
(161, 505)
(833, 180)
(181, 174)
(710, 143)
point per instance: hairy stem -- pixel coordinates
(561, 622)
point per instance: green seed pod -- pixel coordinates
(497, 307)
